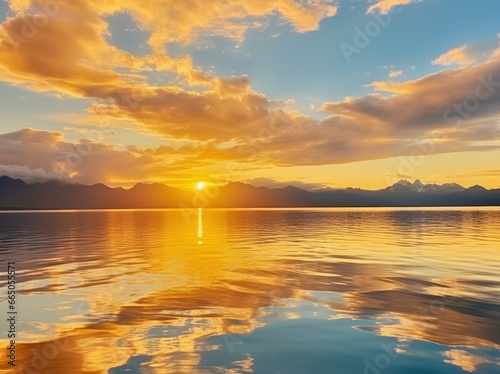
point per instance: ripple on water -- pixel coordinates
(258, 291)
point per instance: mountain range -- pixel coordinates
(16, 194)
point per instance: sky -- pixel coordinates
(307, 92)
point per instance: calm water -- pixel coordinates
(363, 291)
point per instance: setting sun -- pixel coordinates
(200, 185)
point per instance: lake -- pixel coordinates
(289, 291)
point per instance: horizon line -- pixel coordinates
(402, 182)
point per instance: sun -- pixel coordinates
(200, 185)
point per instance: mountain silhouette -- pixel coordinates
(16, 194)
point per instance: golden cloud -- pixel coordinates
(469, 54)
(395, 73)
(73, 33)
(61, 47)
(385, 6)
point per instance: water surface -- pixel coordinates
(291, 291)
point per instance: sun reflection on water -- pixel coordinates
(200, 225)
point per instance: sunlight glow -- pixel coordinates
(200, 185)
